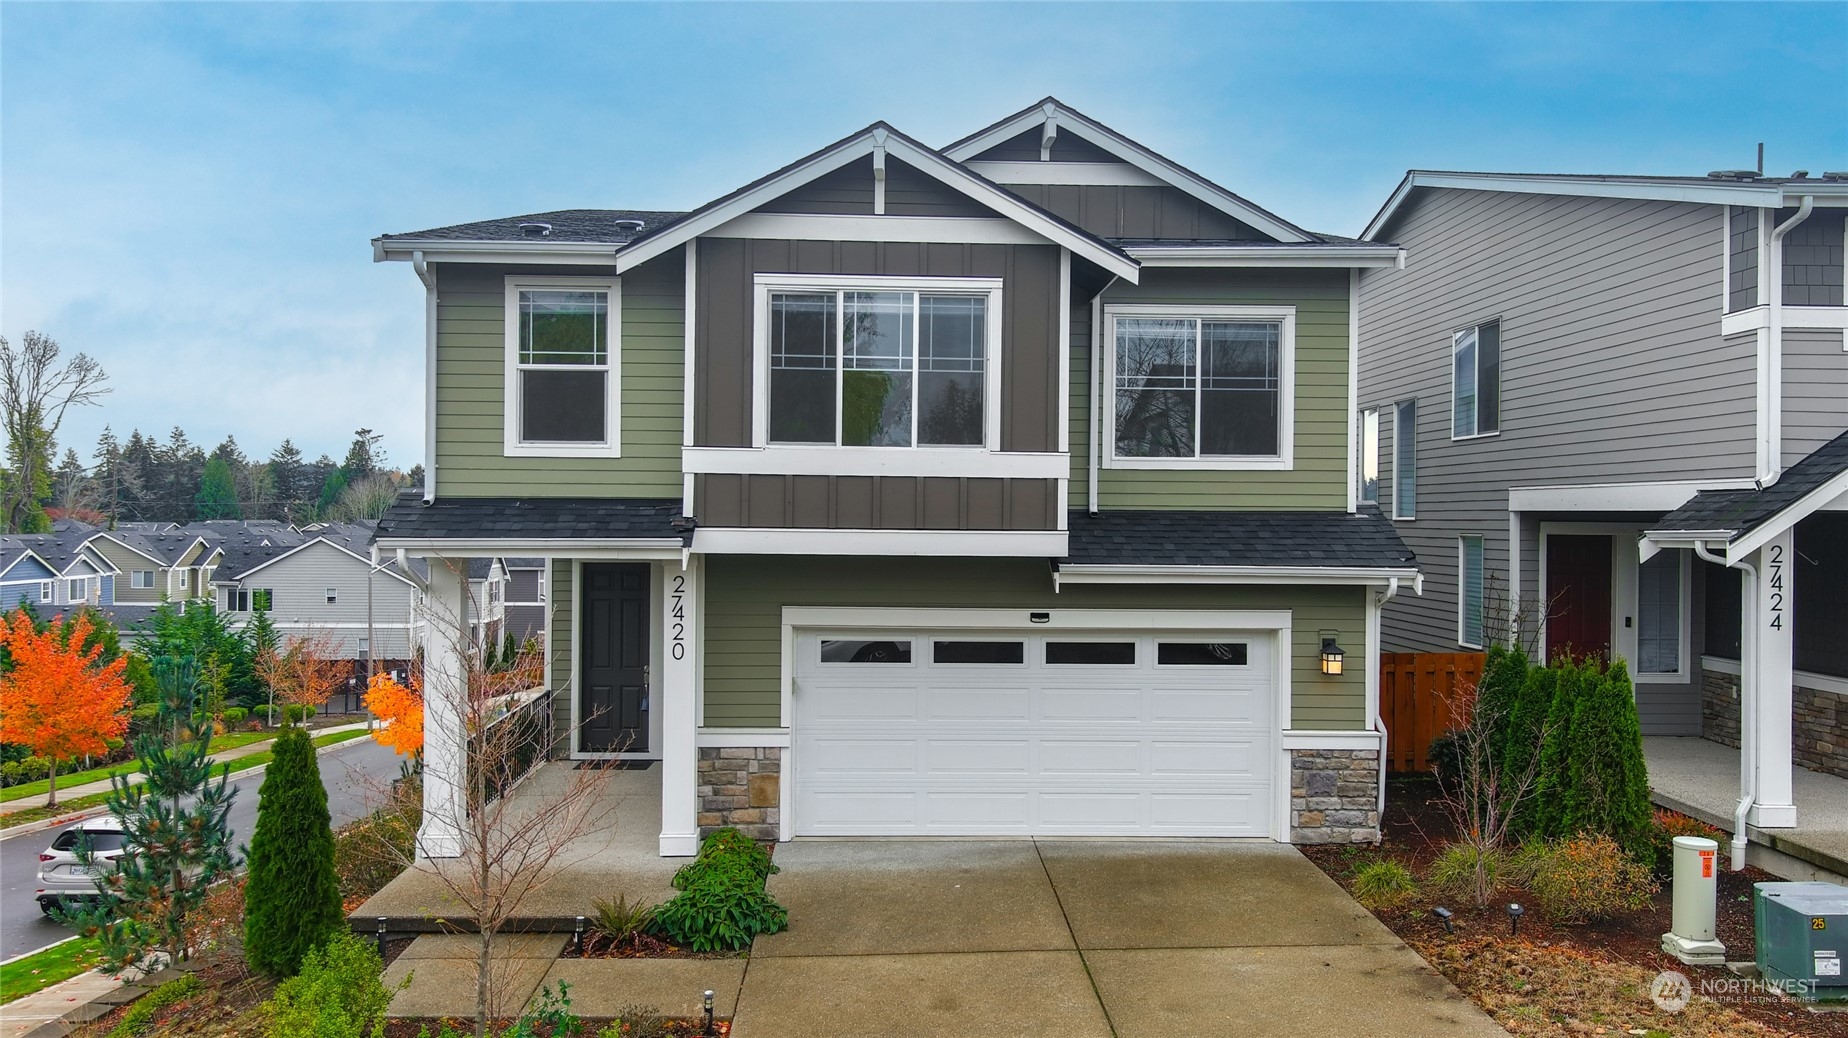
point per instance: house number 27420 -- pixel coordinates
(1774, 581)
(678, 615)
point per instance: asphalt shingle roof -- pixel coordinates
(582, 226)
(1162, 538)
(1739, 512)
(482, 518)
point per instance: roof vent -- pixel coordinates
(1838, 174)
(632, 226)
(1735, 174)
(535, 230)
(1802, 174)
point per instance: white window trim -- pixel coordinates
(1368, 418)
(1283, 461)
(135, 580)
(45, 590)
(1454, 341)
(1683, 673)
(511, 445)
(78, 588)
(1462, 561)
(333, 595)
(1399, 433)
(765, 284)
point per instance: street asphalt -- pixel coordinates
(353, 771)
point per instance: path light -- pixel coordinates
(1515, 912)
(706, 1001)
(1444, 913)
(1332, 655)
(381, 937)
(577, 935)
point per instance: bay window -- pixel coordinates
(878, 362)
(1205, 387)
(563, 338)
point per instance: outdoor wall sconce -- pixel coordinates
(1332, 656)
(1040, 618)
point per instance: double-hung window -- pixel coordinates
(141, 579)
(563, 339)
(1660, 611)
(1205, 387)
(78, 588)
(1405, 459)
(1475, 381)
(878, 362)
(1471, 604)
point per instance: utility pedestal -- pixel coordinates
(1696, 894)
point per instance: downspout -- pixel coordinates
(429, 283)
(1774, 367)
(1377, 722)
(1748, 702)
(1097, 391)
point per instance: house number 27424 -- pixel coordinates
(1774, 581)
(678, 616)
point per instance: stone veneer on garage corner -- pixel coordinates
(1334, 796)
(1817, 739)
(740, 786)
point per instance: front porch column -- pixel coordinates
(676, 695)
(445, 689)
(1770, 701)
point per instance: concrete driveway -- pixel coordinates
(1127, 939)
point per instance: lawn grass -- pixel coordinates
(220, 743)
(41, 970)
(83, 803)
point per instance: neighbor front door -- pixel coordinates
(613, 648)
(1578, 591)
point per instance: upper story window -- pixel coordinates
(79, 589)
(45, 591)
(563, 362)
(1370, 455)
(239, 600)
(141, 579)
(1201, 387)
(1475, 381)
(333, 595)
(878, 362)
(1405, 459)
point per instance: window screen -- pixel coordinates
(1189, 388)
(1658, 620)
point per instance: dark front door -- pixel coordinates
(1578, 591)
(613, 696)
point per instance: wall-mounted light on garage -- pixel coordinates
(1332, 656)
(1040, 618)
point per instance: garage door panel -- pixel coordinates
(1234, 705)
(1201, 759)
(1090, 812)
(977, 703)
(1091, 705)
(1081, 757)
(978, 757)
(863, 757)
(994, 810)
(861, 702)
(1236, 814)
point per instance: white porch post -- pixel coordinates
(1771, 703)
(676, 695)
(445, 675)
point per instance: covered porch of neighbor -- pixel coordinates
(1700, 778)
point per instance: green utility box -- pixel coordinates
(1802, 937)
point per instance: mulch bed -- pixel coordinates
(642, 946)
(591, 1026)
(1562, 980)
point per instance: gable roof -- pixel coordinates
(341, 539)
(1745, 519)
(1713, 189)
(1129, 151)
(879, 135)
(13, 551)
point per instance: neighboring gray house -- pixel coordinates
(319, 580)
(525, 604)
(1568, 395)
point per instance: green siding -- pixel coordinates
(563, 649)
(745, 596)
(1318, 479)
(470, 390)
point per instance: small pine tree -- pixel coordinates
(510, 651)
(1556, 753)
(292, 902)
(1607, 780)
(1521, 738)
(1498, 690)
(178, 842)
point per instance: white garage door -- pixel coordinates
(1026, 733)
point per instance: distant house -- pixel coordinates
(319, 580)
(53, 571)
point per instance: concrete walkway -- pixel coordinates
(102, 785)
(83, 998)
(1701, 779)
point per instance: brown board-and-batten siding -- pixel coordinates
(725, 397)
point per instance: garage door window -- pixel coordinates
(978, 652)
(1092, 654)
(845, 650)
(1201, 654)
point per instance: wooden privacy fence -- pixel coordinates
(1419, 694)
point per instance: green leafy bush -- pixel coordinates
(140, 1016)
(296, 713)
(337, 994)
(1383, 884)
(1670, 824)
(1589, 877)
(234, 716)
(1454, 871)
(1603, 787)
(619, 922)
(726, 851)
(720, 913)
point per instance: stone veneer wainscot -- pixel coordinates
(1334, 796)
(741, 787)
(1817, 739)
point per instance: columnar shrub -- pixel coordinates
(1499, 689)
(1607, 780)
(293, 900)
(1521, 735)
(1549, 816)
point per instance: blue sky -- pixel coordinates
(187, 191)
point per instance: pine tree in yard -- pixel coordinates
(1498, 689)
(1556, 753)
(1521, 738)
(178, 842)
(1607, 780)
(292, 902)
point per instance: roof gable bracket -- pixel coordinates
(1050, 132)
(879, 171)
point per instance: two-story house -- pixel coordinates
(1608, 413)
(1000, 489)
(55, 572)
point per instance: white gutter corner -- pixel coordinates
(429, 282)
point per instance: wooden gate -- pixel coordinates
(1419, 694)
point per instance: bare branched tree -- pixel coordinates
(35, 392)
(367, 498)
(1514, 622)
(1480, 798)
(305, 669)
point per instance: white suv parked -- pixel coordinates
(61, 877)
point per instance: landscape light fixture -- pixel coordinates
(706, 1001)
(1515, 912)
(1444, 913)
(381, 937)
(577, 935)
(1332, 655)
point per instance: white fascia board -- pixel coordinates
(639, 549)
(1090, 174)
(1790, 516)
(1344, 575)
(909, 543)
(25, 554)
(1617, 497)
(1056, 619)
(1280, 256)
(1136, 155)
(951, 230)
(875, 461)
(599, 254)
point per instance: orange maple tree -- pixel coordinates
(58, 701)
(401, 707)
